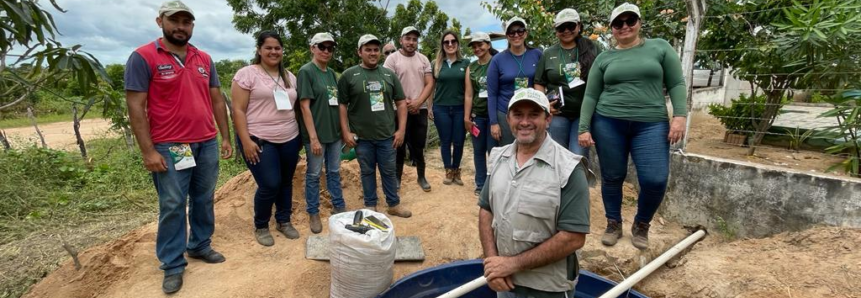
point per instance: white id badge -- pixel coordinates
(182, 157)
(482, 93)
(377, 103)
(572, 74)
(333, 95)
(575, 82)
(282, 100)
(521, 83)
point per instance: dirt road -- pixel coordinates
(59, 135)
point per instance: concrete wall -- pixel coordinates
(756, 200)
(703, 97)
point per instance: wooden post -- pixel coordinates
(4, 141)
(696, 11)
(36, 126)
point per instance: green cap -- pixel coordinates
(367, 38)
(169, 8)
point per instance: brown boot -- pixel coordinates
(612, 233)
(316, 225)
(640, 233)
(399, 211)
(456, 177)
(449, 177)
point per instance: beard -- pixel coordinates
(526, 140)
(179, 42)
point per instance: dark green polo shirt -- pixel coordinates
(450, 83)
(370, 96)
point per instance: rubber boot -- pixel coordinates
(423, 182)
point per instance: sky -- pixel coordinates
(111, 30)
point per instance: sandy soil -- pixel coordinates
(706, 138)
(59, 135)
(446, 221)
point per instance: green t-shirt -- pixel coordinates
(321, 88)
(573, 217)
(370, 96)
(450, 84)
(556, 67)
(478, 76)
(629, 84)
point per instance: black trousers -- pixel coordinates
(415, 138)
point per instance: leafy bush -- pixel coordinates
(741, 115)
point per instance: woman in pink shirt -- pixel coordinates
(264, 100)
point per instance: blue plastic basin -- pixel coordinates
(438, 280)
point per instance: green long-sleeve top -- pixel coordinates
(628, 84)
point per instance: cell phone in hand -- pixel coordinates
(475, 131)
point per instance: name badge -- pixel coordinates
(521, 83)
(572, 74)
(282, 100)
(332, 92)
(182, 157)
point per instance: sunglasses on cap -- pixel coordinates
(325, 48)
(631, 21)
(518, 31)
(566, 26)
(389, 52)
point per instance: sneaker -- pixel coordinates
(448, 177)
(399, 211)
(455, 176)
(640, 235)
(612, 233)
(316, 225)
(264, 237)
(287, 229)
(172, 283)
(211, 257)
(339, 210)
(423, 183)
(478, 192)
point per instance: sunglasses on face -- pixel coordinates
(389, 52)
(518, 32)
(566, 26)
(325, 48)
(449, 42)
(618, 23)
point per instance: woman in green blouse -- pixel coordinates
(475, 117)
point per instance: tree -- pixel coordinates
(30, 30)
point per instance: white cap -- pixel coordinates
(568, 15)
(625, 7)
(368, 38)
(321, 38)
(169, 8)
(478, 37)
(514, 20)
(532, 95)
(409, 29)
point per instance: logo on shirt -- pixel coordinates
(461, 69)
(554, 57)
(163, 67)
(202, 71)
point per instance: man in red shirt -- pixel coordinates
(172, 91)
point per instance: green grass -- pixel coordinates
(47, 192)
(50, 118)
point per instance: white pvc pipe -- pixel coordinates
(466, 288)
(652, 266)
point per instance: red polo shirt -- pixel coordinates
(179, 105)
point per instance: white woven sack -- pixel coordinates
(361, 263)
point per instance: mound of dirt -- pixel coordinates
(446, 221)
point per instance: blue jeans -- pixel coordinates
(565, 132)
(274, 177)
(452, 134)
(648, 146)
(373, 154)
(331, 156)
(194, 186)
(481, 146)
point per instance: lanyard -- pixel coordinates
(576, 54)
(329, 77)
(519, 63)
(273, 78)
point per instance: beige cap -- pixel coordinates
(625, 7)
(410, 29)
(568, 15)
(478, 37)
(532, 95)
(514, 20)
(321, 38)
(368, 38)
(169, 8)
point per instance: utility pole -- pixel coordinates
(696, 12)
